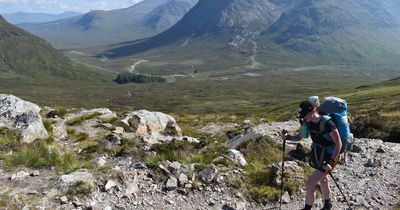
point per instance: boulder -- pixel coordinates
(239, 140)
(237, 157)
(16, 113)
(153, 127)
(110, 184)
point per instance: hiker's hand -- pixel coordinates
(327, 167)
(284, 135)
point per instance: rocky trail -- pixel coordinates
(370, 177)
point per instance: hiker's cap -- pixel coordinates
(305, 107)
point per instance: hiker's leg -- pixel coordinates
(312, 181)
(325, 188)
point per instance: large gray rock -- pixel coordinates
(153, 126)
(16, 113)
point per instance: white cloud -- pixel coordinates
(14, 1)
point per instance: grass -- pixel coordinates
(47, 124)
(80, 189)
(79, 119)
(39, 154)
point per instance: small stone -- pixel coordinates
(211, 203)
(63, 200)
(77, 204)
(131, 188)
(285, 198)
(183, 179)
(140, 166)
(35, 173)
(174, 167)
(172, 183)
(94, 207)
(101, 161)
(110, 184)
(119, 130)
(380, 150)
(171, 202)
(370, 163)
(237, 157)
(240, 206)
(108, 208)
(207, 175)
(356, 148)
(163, 169)
(19, 175)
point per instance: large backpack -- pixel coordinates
(336, 109)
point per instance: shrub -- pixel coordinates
(79, 119)
(127, 77)
(394, 135)
(9, 140)
(47, 124)
(36, 155)
(79, 189)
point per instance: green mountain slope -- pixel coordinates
(214, 19)
(286, 33)
(25, 55)
(346, 32)
(144, 19)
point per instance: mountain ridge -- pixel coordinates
(100, 27)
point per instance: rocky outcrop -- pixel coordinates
(153, 127)
(16, 113)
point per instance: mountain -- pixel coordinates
(212, 18)
(25, 55)
(144, 19)
(23, 17)
(362, 31)
(303, 32)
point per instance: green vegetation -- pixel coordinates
(127, 77)
(260, 179)
(397, 207)
(79, 119)
(47, 124)
(79, 189)
(39, 154)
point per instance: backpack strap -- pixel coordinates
(322, 124)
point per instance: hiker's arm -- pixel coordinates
(288, 137)
(338, 143)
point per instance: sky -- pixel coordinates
(59, 6)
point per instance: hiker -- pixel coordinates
(325, 149)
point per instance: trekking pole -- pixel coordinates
(337, 185)
(284, 132)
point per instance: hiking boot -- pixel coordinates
(327, 206)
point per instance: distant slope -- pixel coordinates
(23, 17)
(289, 32)
(211, 18)
(25, 55)
(144, 19)
(351, 31)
